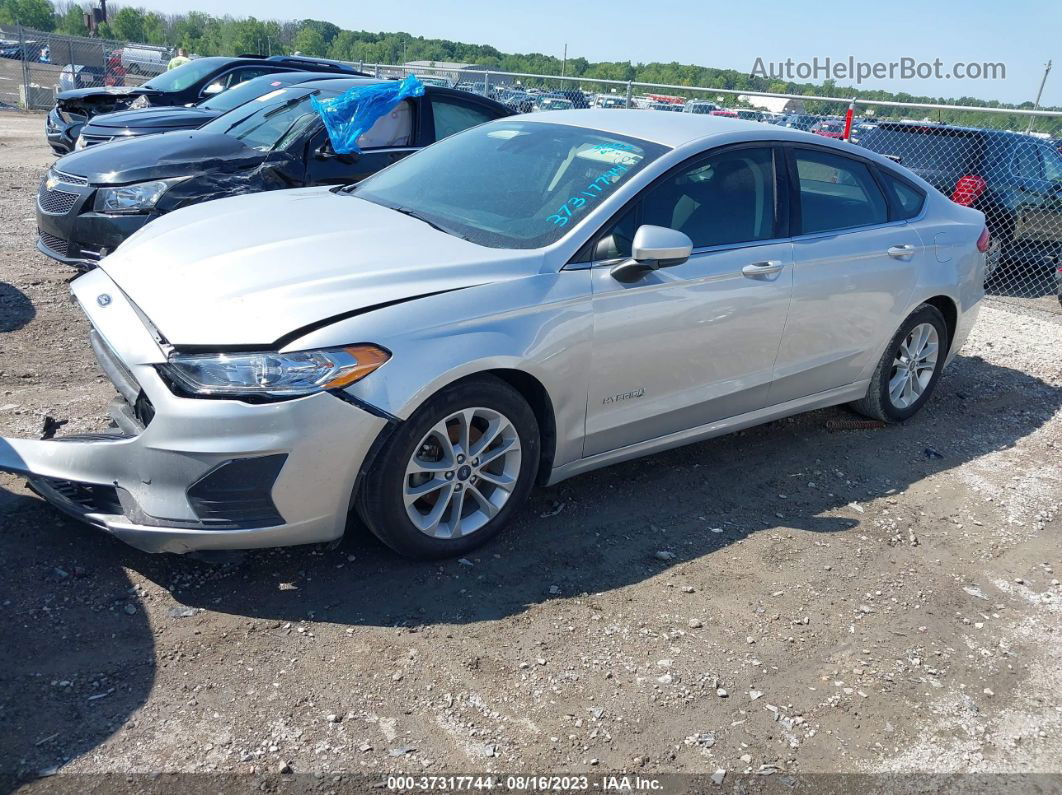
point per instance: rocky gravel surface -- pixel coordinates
(790, 599)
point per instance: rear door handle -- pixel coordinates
(765, 268)
(899, 252)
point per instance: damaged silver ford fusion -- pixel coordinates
(526, 300)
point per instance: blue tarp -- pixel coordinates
(351, 114)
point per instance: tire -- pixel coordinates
(881, 401)
(419, 456)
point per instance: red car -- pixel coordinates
(828, 128)
(725, 112)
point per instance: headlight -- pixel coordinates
(81, 143)
(139, 102)
(272, 374)
(137, 198)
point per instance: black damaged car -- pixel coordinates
(148, 121)
(92, 200)
(185, 85)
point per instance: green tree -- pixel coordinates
(309, 41)
(72, 22)
(36, 14)
(128, 24)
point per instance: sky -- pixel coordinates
(1021, 34)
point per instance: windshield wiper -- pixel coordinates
(432, 224)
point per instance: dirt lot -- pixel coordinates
(787, 599)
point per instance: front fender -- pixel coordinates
(541, 325)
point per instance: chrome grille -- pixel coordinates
(56, 202)
(93, 140)
(69, 179)
(54, 244)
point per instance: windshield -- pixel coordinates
(242, 93)
(184, 76)
(510, 184)
(271, 121)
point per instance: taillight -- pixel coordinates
(983, 240)
(968, 189)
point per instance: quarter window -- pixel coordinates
(725, 198)
(1027, 163)
(908, 200)
(837, 192)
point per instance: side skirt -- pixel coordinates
(832, 397)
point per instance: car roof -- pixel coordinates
(670, 129)
(343, 83)
(294, 78)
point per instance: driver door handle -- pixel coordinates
(899, 252)
(765, 268)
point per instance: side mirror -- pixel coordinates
(212, 89)
(327, 152)
(654, 247)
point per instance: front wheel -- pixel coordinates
(909, 369)
(454, 472)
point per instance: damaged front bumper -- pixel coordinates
(183, 474)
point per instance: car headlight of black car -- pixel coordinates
(138, 198)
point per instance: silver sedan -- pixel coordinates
(522, 302)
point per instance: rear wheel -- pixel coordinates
(909, 369)
(454, 472)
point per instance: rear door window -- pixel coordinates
(453, 116)
(836, 192)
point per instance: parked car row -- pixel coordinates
(192, 83)
(476, 302)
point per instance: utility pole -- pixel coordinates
(1036, 105)
(564, 62)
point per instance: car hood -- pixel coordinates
(105, 91)
(175, 118)
(254, 270)
(170, 154)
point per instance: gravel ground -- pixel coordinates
(786, 599)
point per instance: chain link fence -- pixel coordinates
(1005, 162)
(35, 65)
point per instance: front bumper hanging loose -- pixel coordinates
(182, 474)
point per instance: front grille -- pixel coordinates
(86, 497)
(93, 140)
(54, 244)
(69, 179)
(56, 202)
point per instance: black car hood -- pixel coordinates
(91, 102)
(175, 118)
(108, 91)
(173, 154)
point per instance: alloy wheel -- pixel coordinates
(913, 368)
(462, 473)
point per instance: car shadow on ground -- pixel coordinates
(81, 653)
(78, 653)
(16, 309)
(604, 530)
